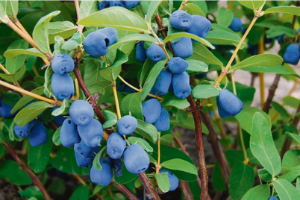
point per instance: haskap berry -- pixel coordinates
(151, 110)
(62, 63)
(273, 198)
(86, 151)
(62, 86)
(155, 53)
(23, 131)
(136, 160)
(162, 83)
(292, 54)
(111, 34)
(228, 104)
(96, 44)
(127, 125)
(180, 19)
(183, 48)
(177, 65)
(130, 4)
(84, 162)
(163, 122)
(38, 134)
(81, 112)
(181, 85)
(69, 134)
(140, 54)
(174, 181)
(91, 134)
(200, 26)
(5, 109)
(104, 176)
(115, 145)
(236, 24)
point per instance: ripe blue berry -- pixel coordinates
(177, 65)
(155, 53)
(5, 109)
(96, 44)
(81, 112)
(86, 151)
(151, 110)
(115, 145)
(181, 85)
(292, 54)
(91, 134)
(180, 19)
(140, 54)
(162, 83)
(135, 158)
(82, 161)
(69, 134)
(236, 24)
(183, 48)
(23, 131)
(62, 86)
(104, 176)
(127, 125)
(200, 26)
(228, 104)
(163, 122)
(62, 63)
(174, 182)
(38, 134)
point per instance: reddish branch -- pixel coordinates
(87, 93)
(162, 30)
(186, 190)
(199, 143)
(197, 120)
(30, 173)
(288, 142)
(271, 94)
(152, 194)
(126, 191)
(217, 149)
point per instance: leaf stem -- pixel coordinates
(77, 88)
(138, 90)
(21, 90)
(224, 71)
(261, 49)
(184, 2)
(79, 27)
(27, 38)
(158, 153)
(113, 85)
(28, 171)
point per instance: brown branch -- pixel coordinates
(217, 149)
(30, 173)
(186, 190)
(271, 94)
(199, 143)
(126, 191)
(163, 31)
(152, 194)
(86, 92)
(288, 142)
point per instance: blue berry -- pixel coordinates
(115, 145)
(135, 158)
(62, 63)
(127, 125)
(62, 86)
(228, 104)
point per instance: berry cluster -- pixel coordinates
(123, 3)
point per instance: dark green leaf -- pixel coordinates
(281, 110)
(241, 180)
(16, 52)
(111, 74)
(257, 193)
(56, 137)
(276, 31)
(264, 175)
(14, 77)
(166, 139)
(11, 171)
(14, 64)
(147, 130)
(132, 105)
(81, 193)
(171, 100)
(62, 160)
(181, 116)
(126, 176)
(180, 165)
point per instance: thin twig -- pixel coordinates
(271, 94)
(152, 194)
(25, 167)
(127, 192)
(261, 49)
(186, 190)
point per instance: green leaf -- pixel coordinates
(253, 5)
(264, 175)
(14, 77)
(131, 104)
(284, 9)
(203, 54)
(281, 110)
(259, 60)
(257, 193)
(291, 101)
(1, 137)
(87, 8)
(171, 100)
(151, 10)
(2, 13)
(63, 109)
(111, 74)
(245, 118)
(197, 66)
(276, 31)
(224, 16)
(193, 9)
(63, 29)
(189, 35)
(241, 179)
(120, 59)
(12, 172)
(274, 69)
(116, 17)
(111, 119)
(133, 37)
(143, 143)
(57, 186)
(166, 139)
(81, 193)
(14, 64)
(156, 69)
(16, 52)
(38, 156)
(32, 193)
(31, 112)
(148, 131)
(286, 190)
(221, 37)
(203, 91)
(291, 158)
(92, 72)
(56, 137)
(180, 165)
(291, 175)
(62, 160)
(181, 116)
(12, 8)
(163, 181)
(262, 145)
(40, 32)
(26, 99)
